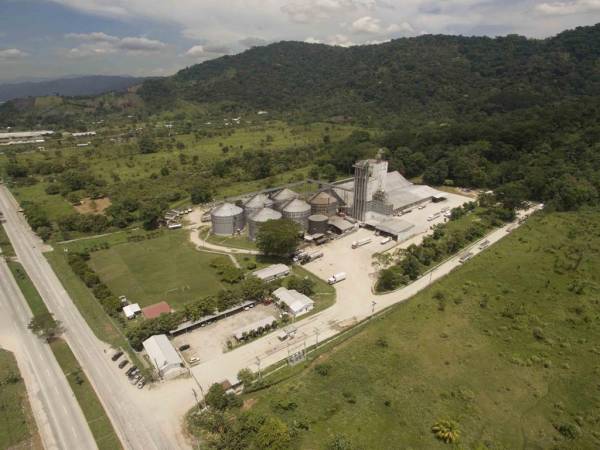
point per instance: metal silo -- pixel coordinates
(323, 203)
(227, 219)
(282, 197)
(262, 216)
(317, 224)
(298, 211)
(256, 203)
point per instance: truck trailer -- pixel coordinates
(336, 278)
(361, 242)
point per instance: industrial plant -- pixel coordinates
(373, 198)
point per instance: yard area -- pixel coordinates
(501, 346)
(17, 425)
(164, 268)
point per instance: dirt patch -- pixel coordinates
(248, 403)
(93, 206)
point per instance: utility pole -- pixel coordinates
(373, 303)
(258, 363)
(196, 397)
(317, 335)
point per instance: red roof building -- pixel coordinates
(152, 311)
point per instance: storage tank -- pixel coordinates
(298, 211)
(323, 203)
(256, 203)
(262, 216)
(227, 219)
(282, 197)
(317, 224)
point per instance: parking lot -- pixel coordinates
(210, 341)
(339, 256)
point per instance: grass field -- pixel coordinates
(17, 426)
(231, 241)
(6, 248)
(166, 268)
(98, 421)
(506, 346)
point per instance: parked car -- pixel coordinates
(117, 355)
(123, 363)
(130, 371)
(184, 347)
(141, 384)
(194, 359)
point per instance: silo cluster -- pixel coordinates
(298, 211)
(323, 203)
(256, 221)
(227, 219)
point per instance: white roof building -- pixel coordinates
(163, 356)
(295, 302)
(272, 272)
(246, 329)
(132, 310)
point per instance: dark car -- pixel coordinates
(123, 363)
(130, 371)
(117, 355)
(184, 347)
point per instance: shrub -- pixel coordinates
(323, 369)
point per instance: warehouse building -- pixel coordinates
(272, 272)
(163, 356)
(293, 302)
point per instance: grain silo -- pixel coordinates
(317, 224)
(298, 211)
(323, 203)
(282, 197)
(227, 219)
(262, 216)
(256, 203)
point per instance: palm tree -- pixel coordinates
(446, 430)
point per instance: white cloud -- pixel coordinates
(568, 8)
(99, 43)
(252, 42)
(12, 54)
(367, 24)
(196, 51)
(308, 11)
(340, 40)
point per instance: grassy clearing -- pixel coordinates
(98, 421)
(324, 293)
(6, 247)
(501, 346)
(55, 205)
(231, 241)
(17, 426)
(166, 268)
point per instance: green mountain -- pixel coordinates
(428, 75)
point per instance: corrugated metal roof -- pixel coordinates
(258, 201)
(322, 198)
(297, 205)
(294, 300)
(271, 271)
(318, 218)
(284, 194)
(266, 214)
(226, 210)
(161, 352)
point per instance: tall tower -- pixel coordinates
(361, 189)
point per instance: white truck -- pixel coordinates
(336, 278)
(361, 242)
(385, 240)
(311, 257)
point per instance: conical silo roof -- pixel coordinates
(258, 201)
(296, 206)
(284, 194)
(226, 210)
(266, 214)
(322, 198)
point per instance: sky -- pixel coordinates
(42, 39)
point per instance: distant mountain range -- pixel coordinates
(70, 86)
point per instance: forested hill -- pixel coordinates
(433, 73)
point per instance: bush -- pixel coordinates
(323, 369)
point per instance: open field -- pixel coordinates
(502, 346)
(165, 268)
(241, 242)
(99, 423)
(17, 426)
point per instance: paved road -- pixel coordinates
(60, 421)
(138, 428)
